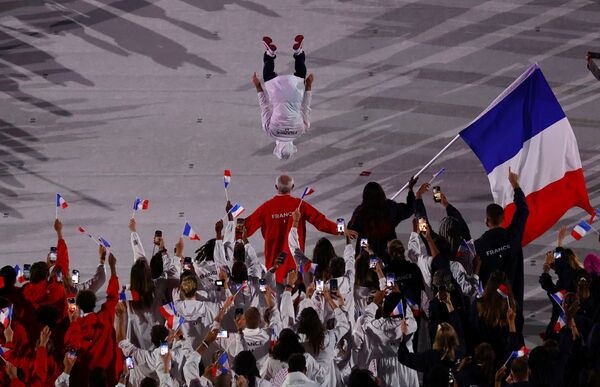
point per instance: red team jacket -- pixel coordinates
(94, 338)
(274, 218)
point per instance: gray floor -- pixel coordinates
(103, 100)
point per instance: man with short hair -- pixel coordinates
(519, 372)
(500, 248)
(274, 218)
(297, 373)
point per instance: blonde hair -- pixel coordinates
(446, 341)
(189, 286)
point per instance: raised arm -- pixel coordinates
(97, 281)
(317, 219)
(517, 225)
(136, 242)
(255, 220)
(112, 291)
(306, 100)
(62, 252)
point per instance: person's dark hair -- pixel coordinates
(287, 344)
(310, 324)
(364, 276)
(337, 267)
(395, 250)
(373, 211)
(583, 279)
(97, 378)
(10, 276)
(297, 363)
(223, 380)
(494, 215)
(485, 357)
(451, 230)
(390, 302)
(39, 272)
(4, 302)
(252, 316)
(156, 265)
(323, 253)
(244, 365)
(239, 252)
(361, 378)
(519, 369)
(188, 284)
(86, 301)
(206, 252)
(492, 307)
(539, 360)
(158, 334)
(141, 282)
(47, 315)
(239, 272)
(148, 382)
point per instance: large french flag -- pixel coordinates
(525, 129)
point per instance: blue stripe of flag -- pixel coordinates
(500, 133)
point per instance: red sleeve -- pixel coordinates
(74, 336)
(255, 220)
(16, 383)
(62, 257)
(40, 366)
(320, 221)
(112, 297)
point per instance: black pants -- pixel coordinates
(269, 67)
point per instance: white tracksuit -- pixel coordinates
(276, 370)
(285, 112)
(298, 379)
(378, 339)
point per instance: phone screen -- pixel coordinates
(341, 226)
(26, 271)
(372, 263)
(390, 280)
(75, 277)
(557, 254)
(222, 334)
(187, 263)
(52, 254)
(437, 194)
(364, 242)
(319, 286)
(422, 225)
(333, 285)
(262, 285)
(164, 348)
(129, 362)
(219, 283)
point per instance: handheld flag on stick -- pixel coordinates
(20, 275)
(524, 351)
(140, 205)
(436, 175)
(6, 316)
(398, 310)
(83, 231)
(222, 365)
(581, 229)
(3, 350)
(414, 307)
(307, 192)
(237, 210)
(307, 267)
(128, 295)
(503, 291)
(190, 233)
(104, 242)
(226, 181)
(243, 286)
(561, 322)
(60, 203)
(559, 297)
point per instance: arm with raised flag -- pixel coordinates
(317, 219)
(455, 213)
(136, 242)
(517, 224)
(255, 220)
(112, 291)
(62, 252)
(402, 211)
(97, 281)
(220, 256)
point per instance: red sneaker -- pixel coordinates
(269, 46)
(298, 44)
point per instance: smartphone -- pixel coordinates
(557, 254)
(26, 271)
(52, 254)
(341, 226)
(187, 263)
(364, 242)
(373, 263)
(262, 285)
(422, 225)
(594, 55)
(72, 352)
(219, 283)
(164, 348)
(320, 285)
(333, 285)
(129, 362)
(437, 194)
(390, 280)
(222, 334)
(157, 237)
(281, 257)
(239, 311)
(75, 276)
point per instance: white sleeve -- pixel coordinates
(219, 255)
(190, 369)
(293, 240)
(95, 283)
(229, 233)
(342, 325)
(266, 110)
(253, 264)
(286, 310)
(382, 283)
(136, 245)
(165, 378)
(62, 380)
(415, 247)
(314, 371)
(172, 266)
(468, 283)
(349, 258)
(305, 109)
(140, 356)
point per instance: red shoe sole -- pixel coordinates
(269, 43)
(298, 42)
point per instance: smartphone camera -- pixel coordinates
(75, 277)
(187, 263)
(26, 271)
(390, 280)
(333, 285)
(219, 283)
(372, 263)
(364, 243)
(262, 285)
(341, 226)
(164, 348)
(222, 334)
(437, 194)
(557, 254)
(129, 362)
(319, 287)
(52, 255)
(157, 237)
(281, 257)
(422, 225)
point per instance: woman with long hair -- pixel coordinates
(376, 217)
(244, 365)
(367, 281)
(479, 369)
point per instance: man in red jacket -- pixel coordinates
(274, 218)
(93, 335)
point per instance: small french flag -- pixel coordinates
(414, 307)
(236, 210)
(580, 230)
(59, 276)
(190, 233)
(3, 350)
(559, 297)
(398, 310)
(20, 274)
(222, 365)
(104, 242)
(308, 267)
(141, 204)
(274, 337)
(480, 289)
(128, 295)
(241, 288)
(524, 351)
(226, 178)
(503, 291)
(560, 323)
(61, 202)
(6, 316)
(168, 310)
(307, 192)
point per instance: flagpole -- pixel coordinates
(301, 200)
(56, 212)
(444, 149)
(226, 194)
